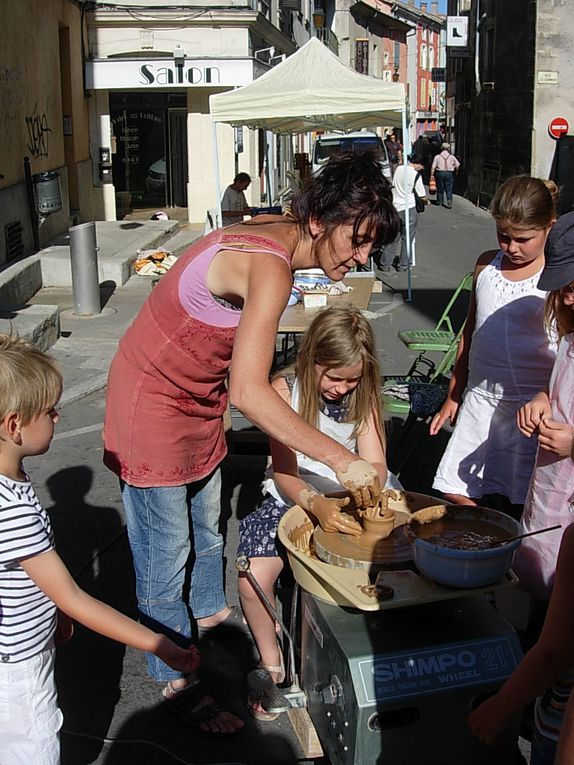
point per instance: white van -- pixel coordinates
(335, 143)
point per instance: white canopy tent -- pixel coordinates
(311, 90)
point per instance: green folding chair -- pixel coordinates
(430, 385)
(440, 338)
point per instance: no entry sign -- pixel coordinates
(558, 126)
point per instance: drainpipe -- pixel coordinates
(31, 204)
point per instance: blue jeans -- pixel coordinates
(444, 185)
(178, 558)
(397, 249)
(543, 750)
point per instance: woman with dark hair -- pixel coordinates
(216, 312)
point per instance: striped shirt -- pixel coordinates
(549, 708)
(27, 616)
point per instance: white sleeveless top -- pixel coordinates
(318, 475)
(511, 355)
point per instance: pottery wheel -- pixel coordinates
(354, 552)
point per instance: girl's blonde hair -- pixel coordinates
(525, 201)
(557, 316)
(340, 337)
(30, 380)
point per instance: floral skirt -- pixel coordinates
(258, 531)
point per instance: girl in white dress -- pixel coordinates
(505, 355)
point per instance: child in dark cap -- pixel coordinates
(548, 668)
(549, 417)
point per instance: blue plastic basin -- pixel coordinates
(468, 568)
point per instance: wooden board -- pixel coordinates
(306, 733)
(296, 318)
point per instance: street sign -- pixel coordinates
(438, 74)
(558, 126)
(457, 31)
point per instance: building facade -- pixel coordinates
(151, 69)
(507, 85)
(44, 123)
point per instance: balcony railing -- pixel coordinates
(329, 39)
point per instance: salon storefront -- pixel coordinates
(153, 135)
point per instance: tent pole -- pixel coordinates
(406, 151)
(216, 170)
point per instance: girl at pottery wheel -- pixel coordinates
(335, 386)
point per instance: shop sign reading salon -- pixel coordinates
(113, 74)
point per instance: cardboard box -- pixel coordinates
(315, 299)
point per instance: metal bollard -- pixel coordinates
(85, 277)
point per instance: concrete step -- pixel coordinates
(118, 244)
(37, 323)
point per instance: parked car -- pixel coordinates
(156, 177)
(336, 143)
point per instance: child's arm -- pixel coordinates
(556, 437)
(50, 574)
(544, 663)
(371, 448)
(459, 377)
(531, 414)
(327, 510)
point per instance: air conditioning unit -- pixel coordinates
(488, 85)
(290, 5)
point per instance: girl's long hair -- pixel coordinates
(557, 316)
(340, 337)
(525, 201)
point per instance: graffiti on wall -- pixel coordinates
(38, 133)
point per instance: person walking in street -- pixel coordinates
(443, 168)
(504, 358)
(234, 205)
(407, 184)
(216, 314)
(394, 150)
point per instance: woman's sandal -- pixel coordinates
(266, 701)
(184, 702)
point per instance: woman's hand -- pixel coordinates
(185, 660)
(362, 480)
(327, 510)
(489, 719)
(448, 411)
(556, 437)
(531, 414)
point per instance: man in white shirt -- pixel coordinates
(405, 181)
(233, 203)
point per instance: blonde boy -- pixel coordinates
(33, 578)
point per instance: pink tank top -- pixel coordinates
(166, 388)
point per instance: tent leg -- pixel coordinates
(216, 170)
(406, 151)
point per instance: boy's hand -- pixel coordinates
(185, 660)
(448, 411)
(327, 510)
(64, 628)
(531, 414)
(556, 437)
(362, 480)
